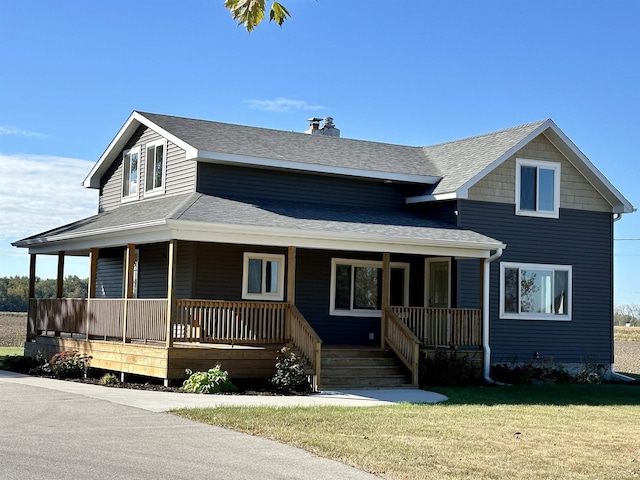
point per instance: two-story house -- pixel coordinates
(218, 243)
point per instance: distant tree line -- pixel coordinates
(629, 313)
(14, 291)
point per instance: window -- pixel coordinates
(537, 188)
(535, 292)
(356, 286)
(263, 277)
(155, 167)
(130, 166)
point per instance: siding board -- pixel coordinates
(180, 173)
(578, 238)
(241, 182)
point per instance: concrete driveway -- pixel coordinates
(52, 429)
(52, 434)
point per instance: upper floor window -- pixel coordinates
(356, 286)
(155, 167)
(537, 188)
(130, 170)
(263, 276)
(535, 292)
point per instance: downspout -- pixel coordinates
(615, 375)
(485, 315)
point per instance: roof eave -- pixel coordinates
(120, 140)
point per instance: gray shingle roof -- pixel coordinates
(308, 218)
(456, 162)
(296, 147)
(461, 160)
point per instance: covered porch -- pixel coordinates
(140, 336)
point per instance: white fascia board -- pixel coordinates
(590, 171)
(233, 159)
(255, 235)
(147, 232)
(432, 198)
(120, 140)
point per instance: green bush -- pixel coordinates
(447, 368)
(215, 380)
(529, 374)
(291, 374)
(20, 363)
(64, 365)
(109, 379)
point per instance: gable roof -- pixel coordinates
(447, 170)
(200, 217)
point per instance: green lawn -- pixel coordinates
(6, 351)
(545, 431)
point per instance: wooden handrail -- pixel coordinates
(443, 326)
(307, 341)
(403, 342)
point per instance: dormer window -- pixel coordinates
(130, 170)
(537, 188)
(155, 167)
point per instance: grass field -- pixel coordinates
(13, 330)
(546, 431)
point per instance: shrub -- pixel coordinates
(291, 374)
(593, 373)
(20, 363)
(529, 374)
(447, 368)
(108, 380)
(215, 380)
(65, 365)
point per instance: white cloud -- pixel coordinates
(40, 192)
(8, 130)
(282, 105)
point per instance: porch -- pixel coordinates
(160, 338)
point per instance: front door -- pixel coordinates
(438, 289)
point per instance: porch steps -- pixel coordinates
(346, 368)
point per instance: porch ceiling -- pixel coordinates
(205, 218)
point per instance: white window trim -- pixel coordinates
(427, 277)
(160, 190)
(362, 263)
(555, 166)
(279, 295)
(536, 316)
(135, 196)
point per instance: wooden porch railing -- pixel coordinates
(443, 326)
(403, 342)
(55, 315)
(229, 322)
(306, 340)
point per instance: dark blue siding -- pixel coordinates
(238, 182)
(578, 238)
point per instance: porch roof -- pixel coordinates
(206, 218)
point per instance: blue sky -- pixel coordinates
(415, 72)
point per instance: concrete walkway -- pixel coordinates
(164, 401)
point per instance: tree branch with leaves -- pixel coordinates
(251, 12)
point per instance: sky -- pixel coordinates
(415, 72)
